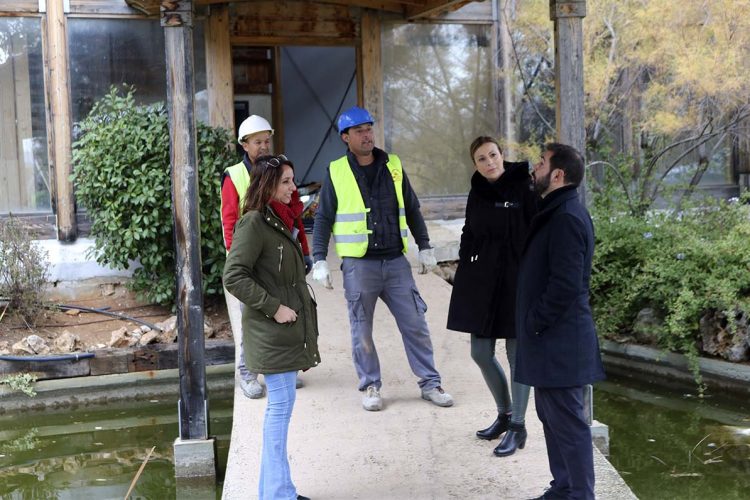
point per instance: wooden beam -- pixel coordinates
(433, 8)
(387, 6)
(293, 21)
(148, 7)
(116, 7)
(272, 41)
(412, 9)
(502, 63)
(178, 41)
(20, 6)
(568, 19)
(384, 5)
(219, 69)
(58, 90)
(371, 77)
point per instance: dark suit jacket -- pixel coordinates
(557, 342)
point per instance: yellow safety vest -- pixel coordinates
(241, 180)
(350, 231)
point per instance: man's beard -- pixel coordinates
(541, 184)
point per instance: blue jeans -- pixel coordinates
(275, 477)
(390, 280)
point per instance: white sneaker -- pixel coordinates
(437, 396)
(252, 388)
(372, 401)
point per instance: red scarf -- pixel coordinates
(290, 215)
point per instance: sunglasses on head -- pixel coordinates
(277, 161)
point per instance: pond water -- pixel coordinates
(670, 444)
(94, 452)
(667, 444)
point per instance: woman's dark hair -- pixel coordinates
(479, 142)
(267, 172)
(567, 159)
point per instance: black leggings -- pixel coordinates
(483, 354)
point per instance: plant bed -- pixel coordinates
(93, 334)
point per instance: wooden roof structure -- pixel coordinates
(409, 9)
(260, 22)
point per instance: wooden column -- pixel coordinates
(58, 91)
(177, 20)
(502, 84)
(219, 69)
(371, 75)
(568, 18)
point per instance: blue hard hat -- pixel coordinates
(352, 117)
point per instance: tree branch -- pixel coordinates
(523, 77)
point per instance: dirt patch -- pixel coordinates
(94, 330)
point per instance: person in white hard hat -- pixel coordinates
(254, 136)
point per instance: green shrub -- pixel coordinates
(683, 265)
(21, 382)
(122, 177)
(23, 271)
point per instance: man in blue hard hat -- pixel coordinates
(366, 201)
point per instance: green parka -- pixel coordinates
(265, 268)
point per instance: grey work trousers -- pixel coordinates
(234, 310)
(390, 280)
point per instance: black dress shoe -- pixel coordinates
(300, 497)
(549, 494)
(515, 438)
(499, 426)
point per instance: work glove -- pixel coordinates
(427, 260)
(308, 264)
(321, 274)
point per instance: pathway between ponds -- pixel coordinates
(410, 450)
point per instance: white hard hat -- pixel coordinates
(252, 125)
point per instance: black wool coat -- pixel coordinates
(498, 215)
(557, 343)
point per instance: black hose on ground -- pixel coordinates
(75, 356)
(107, 313)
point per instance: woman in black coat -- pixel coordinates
(499, 209)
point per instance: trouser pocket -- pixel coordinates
(419, 303)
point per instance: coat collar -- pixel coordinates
(379, 157)
(547, 207)
(514, 172)
(275, 222)
(248, 163)
(557, 198)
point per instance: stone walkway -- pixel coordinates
(410, 450)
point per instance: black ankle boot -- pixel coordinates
(499, 426)
(515, 438)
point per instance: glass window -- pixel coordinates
(123, 51)
(24, 169)
(438, 98)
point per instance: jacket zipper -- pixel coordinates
(281, 255)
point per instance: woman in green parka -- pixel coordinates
(265, 270)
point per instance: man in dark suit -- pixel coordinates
(558, 351)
